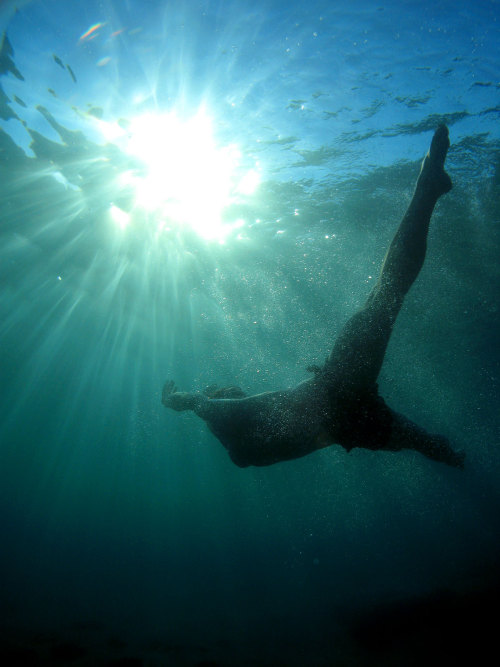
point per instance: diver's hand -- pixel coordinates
(176, 400)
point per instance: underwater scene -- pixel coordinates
(202, 192)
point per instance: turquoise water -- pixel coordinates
(206, 193)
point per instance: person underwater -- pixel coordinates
(340, 403)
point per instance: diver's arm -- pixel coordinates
(205, 407)
(214, 410)
(217, 409)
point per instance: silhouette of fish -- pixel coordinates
(19, 101)
(72, 74)
(58, 60)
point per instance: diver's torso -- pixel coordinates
(276, 426)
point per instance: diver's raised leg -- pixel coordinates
(406, 253)
(358, 353)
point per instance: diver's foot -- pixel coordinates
(441, 450)
(433, 178)
(456, 459)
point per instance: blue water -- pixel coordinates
(127, 535)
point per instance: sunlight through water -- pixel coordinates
(184, 177)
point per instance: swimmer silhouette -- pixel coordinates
(340, 404)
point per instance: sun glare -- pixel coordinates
(186, 178)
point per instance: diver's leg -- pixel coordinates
(406, 253)
(405, 434)
(358, 353)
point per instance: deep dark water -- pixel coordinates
(443, 628)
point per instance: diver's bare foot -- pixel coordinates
(433, 178)
(441, 450)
